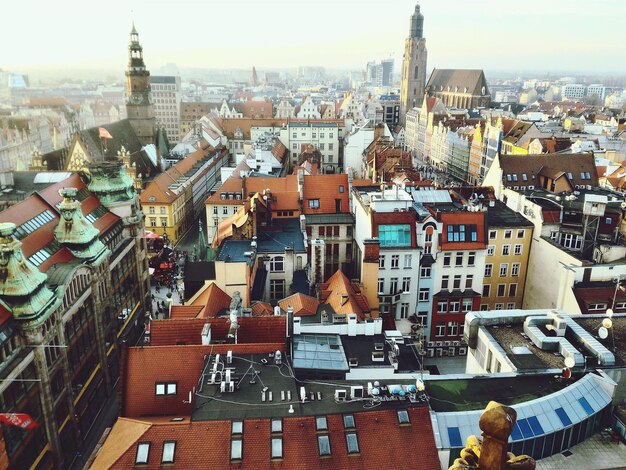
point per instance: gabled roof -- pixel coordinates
(343, 296)
(185, 311)
(159, 187)
(262, 309)
(216, 301)
(576, 164)
(473, 80)
(303, 305)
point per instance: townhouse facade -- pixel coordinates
(508, 251)
(387, 215)
(174, 199)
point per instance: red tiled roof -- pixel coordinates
(253, 330)
(217, 301)
(262, 309)
(326, 188)
(185, 311)
(145, 366)
(382, 442)
(159, 186)
(303, 305)
(176, 331)
(343, 296)
(286, 187)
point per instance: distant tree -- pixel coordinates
(593, 100)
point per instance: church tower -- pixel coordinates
(413, 66)
(139, 107)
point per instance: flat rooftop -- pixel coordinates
(512, 336)
(476, 392)
(256, 376)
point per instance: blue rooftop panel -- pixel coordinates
(563, 417)
(516, 434)
(525, 428)
(586, 406)
(535, 425)
(455, 437)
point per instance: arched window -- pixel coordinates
(277, 264)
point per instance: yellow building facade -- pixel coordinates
(509, 243)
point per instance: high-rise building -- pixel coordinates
(139, 102)
(380, 74)
(167, 96)
(413, 65)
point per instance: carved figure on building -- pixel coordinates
(491, 453)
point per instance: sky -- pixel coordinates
(541, 35)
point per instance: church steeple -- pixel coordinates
(417, 24)
(413, 65)
(139, 107)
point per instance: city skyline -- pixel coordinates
(346, 35)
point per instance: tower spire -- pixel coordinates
(139, 107)
(413, 65)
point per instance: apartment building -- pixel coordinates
(167, 96)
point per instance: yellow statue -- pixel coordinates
(496, 424)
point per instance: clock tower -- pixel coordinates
(139, 106)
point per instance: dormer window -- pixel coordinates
(223, 196)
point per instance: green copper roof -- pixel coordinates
(22, 286)
(74, 231)
(110, 183)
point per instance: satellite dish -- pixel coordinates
(603, 332)
(569, 362)
(623, 205)
(607, 323)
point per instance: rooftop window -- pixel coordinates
(321, 424)
(352, 443)
(237, 427)
(403, 417)
(169, 449)
(348, 421)
(277, 447)
(323, 443)
(143, 451)
(165, 388)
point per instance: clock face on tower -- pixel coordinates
(136, 99)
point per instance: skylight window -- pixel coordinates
(143, 451)
(169, 449)
(323, 443)
(403, 417)
(321, 424)
(277, 447)
(352, 443)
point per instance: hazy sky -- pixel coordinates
(491, 34)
